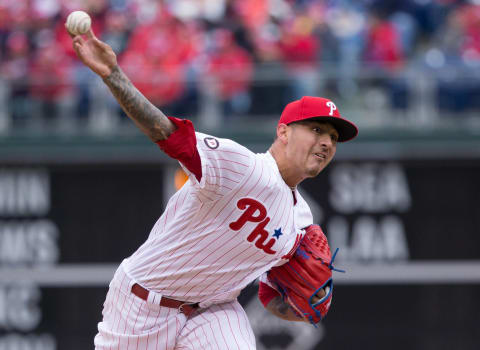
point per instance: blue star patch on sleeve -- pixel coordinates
(278, 233)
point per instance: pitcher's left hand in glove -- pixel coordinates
(306, 274)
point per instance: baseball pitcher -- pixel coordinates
(239, 217)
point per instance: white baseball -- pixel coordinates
(78, 22)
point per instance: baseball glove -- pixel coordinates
(306, 274)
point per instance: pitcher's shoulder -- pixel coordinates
(228, 147)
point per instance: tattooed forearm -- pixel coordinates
(281, 309)
(145, 115)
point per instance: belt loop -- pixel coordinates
(154, 298)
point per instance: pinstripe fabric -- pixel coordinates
(130, 323)
(221, 326)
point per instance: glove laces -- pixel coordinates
(330, 265)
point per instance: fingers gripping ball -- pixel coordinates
(78, 22)
(305, 281)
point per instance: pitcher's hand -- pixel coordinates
(94, 53)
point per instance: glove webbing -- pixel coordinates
(330, 265)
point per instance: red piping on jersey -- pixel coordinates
(182, 146)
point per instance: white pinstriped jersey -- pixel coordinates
(217, 235)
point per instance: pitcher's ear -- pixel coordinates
(283, 133)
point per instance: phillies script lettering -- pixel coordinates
(254, 211)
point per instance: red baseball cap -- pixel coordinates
(321, 109)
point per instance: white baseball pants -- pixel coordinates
(131, 323)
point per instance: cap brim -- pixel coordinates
(346, 129)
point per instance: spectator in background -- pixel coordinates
(158, 79)
(458, 47)
(187, 10)
(51, 87)
(299, 48)
(230, 67)
(93, 99)
(469, 18)
(4, 30)
(384, 55)
(157, 58)
(470, 52)
(19, 14)
(85, 83)
(344, 34)
(383, 47)
(267, 55)
(407, 30)
(14, 73)
(117, 30)
(253, 13)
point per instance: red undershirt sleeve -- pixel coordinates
(266, 293)
(182, 146)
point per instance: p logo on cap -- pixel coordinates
(332, 107)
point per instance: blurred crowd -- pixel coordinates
(182, 52)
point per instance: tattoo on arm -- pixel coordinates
(145, 115)
(282, 307)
